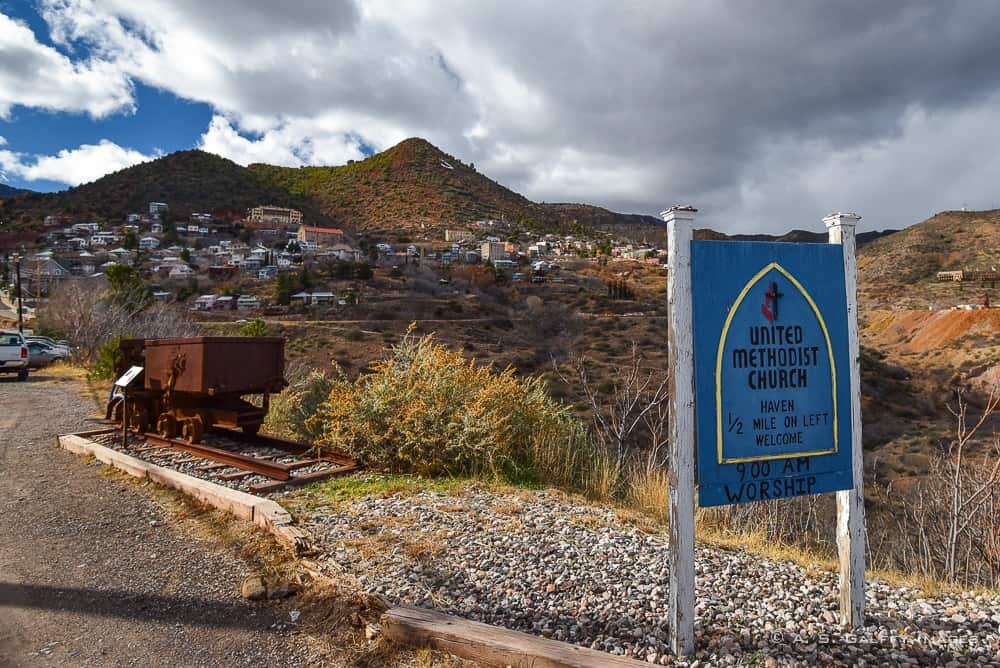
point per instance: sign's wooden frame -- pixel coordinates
(850, 503)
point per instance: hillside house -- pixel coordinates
(180, 271)
(322, 236)
(149, 243)
(251, 264)
(247, 302)
(314, 298)
(157, 208)
(266, 273)
(204, 303)
(40, 273)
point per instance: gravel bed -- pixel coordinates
(542, 564)
(190, 463)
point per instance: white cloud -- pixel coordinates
(293, 144)
(35, 75)
(743, 111)
(73, 166)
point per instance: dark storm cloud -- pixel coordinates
(760, 113)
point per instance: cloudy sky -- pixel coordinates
(765, 115)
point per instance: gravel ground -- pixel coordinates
(539, 563)
(93, 572)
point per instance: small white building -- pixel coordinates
(180, 271)
(204, 303)
(247, 302)
(149, 243)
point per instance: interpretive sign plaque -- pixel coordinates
(772, 370)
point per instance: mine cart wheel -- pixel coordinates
(251, 429)
(192, 429)
(140, 418)
(166, 425)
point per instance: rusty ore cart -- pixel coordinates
(192, 384)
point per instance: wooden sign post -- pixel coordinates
(764, 337)
(680, 351)
(851, 502)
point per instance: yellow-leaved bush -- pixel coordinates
(427, 410)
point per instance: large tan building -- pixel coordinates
(275, 214)
(458, 235)
(324, 236)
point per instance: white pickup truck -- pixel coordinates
(13, 354)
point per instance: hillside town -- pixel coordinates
(227, 259)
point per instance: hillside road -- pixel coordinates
(95, 572)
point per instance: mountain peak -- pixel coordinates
(11, 191)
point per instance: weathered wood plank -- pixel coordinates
(680, 362)
(851, 502)
(490, 645)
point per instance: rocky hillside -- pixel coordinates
(415, 185)
(901, 270)
(412, 185)
(189, 181)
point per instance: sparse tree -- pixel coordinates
(634, 412)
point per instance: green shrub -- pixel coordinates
(255, 327)
(290, 411)
(427, 410)
(109, 355)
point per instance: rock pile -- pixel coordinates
(542, 564)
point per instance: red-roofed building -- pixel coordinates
(320, 235)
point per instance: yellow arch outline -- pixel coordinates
(718, 369)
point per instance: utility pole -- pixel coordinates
(20, 308)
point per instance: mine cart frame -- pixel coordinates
(190, 385)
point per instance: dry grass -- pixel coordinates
(423, 548)
(649, 492)
(508, 507)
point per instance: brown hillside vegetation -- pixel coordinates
(900, 271)
(412, 185)
(415, 185)
(189, 181)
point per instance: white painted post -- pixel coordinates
(851, 502)
(680, 343)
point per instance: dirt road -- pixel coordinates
(93, 573)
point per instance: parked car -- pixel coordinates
(61, 346)
(13, 354)
(46, 339)
(41, 354)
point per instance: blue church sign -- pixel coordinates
(771, 370)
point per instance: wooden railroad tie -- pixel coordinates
(490, 645)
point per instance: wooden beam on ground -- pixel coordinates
(490, 645)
